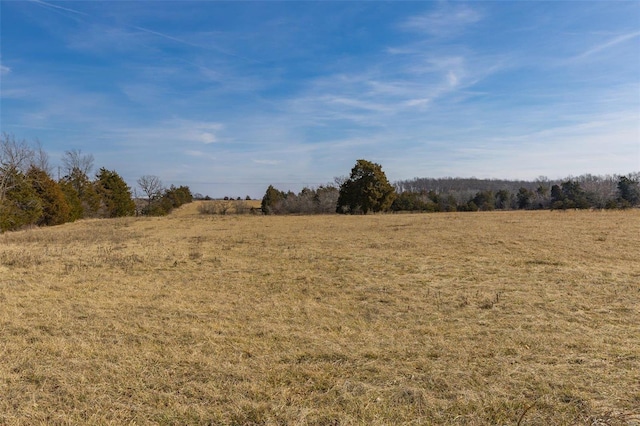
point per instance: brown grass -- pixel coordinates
(223, 207)
(503, 318)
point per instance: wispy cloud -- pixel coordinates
(268, 162)
(205, 132)
(393, 89)
(436, 88)
(446, 21)
(177, 131)
(199, 154)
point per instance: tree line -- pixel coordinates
(368, 190)
(29, 195)
(583, 192)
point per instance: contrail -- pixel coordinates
(168, 37)
(163, 35)
(615, 41)
(55, 6)
(148, 31)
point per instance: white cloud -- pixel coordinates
(356, 103)
(203, 132)
(417, 102)
(199, 154)
(4, 70)
(392, 90)
(164, 136)
(207, 137)
(446, 21)
(452, 79)
(268, 162)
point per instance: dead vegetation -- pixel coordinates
(225, 207)
(527, 318)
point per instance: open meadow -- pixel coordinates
(504, 318)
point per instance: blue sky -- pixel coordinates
(229, 97)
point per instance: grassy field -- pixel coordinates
(505, 318)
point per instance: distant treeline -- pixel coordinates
(471, 194)
(29, 195)
(321, 200)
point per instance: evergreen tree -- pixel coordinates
(503, 199)
(557, 197)
(524, 198)
(270, 200)
(20, 205)
(575, 196)
(628, 191)
(484, 200)
(76, 211)
(569, 195)
(114, 193)
(55, 208)
(367, 189)
(77, 181)
(407, 201)
(172, 198)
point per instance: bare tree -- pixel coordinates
(75, 160)
(15, 157)
(152, 187)
(41, 158)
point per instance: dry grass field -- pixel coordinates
(505, 318)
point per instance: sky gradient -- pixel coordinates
(229, 97)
